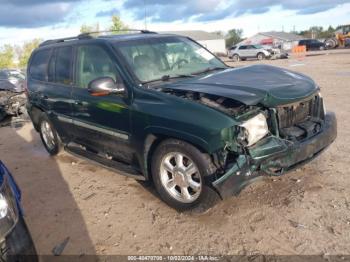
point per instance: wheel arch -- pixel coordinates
(34, 114)
(154, 139)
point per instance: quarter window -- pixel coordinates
(38, 67)
(93, 62)
(63, 67)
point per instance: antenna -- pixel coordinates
(145, 8)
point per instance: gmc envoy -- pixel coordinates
(162, 108)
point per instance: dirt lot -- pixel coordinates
(303, 212)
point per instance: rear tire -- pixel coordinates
(49, 135)
(179, 171)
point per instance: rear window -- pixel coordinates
(39, 64)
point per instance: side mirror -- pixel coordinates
(104, 86)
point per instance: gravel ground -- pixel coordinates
(302, 212)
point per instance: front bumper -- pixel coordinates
(275, 156)
(18, 245)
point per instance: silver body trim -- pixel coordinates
(93, 127)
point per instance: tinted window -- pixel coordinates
(93, 62)
(51, 74)
(242, 47)
(38, 67)
(63, 66)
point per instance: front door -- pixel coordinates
(242, 51)
(251, 51)
(102, 123)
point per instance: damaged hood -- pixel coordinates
(252, 85)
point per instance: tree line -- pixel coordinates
(17, 56)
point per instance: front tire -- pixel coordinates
(235, 58)
(49, 135)
(179, 171)
(261, 56)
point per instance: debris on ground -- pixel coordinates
(296, 224)
(57, 250)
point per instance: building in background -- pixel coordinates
(282, 40)
(213, 42)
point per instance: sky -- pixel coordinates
(23, 20)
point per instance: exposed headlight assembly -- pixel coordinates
(8, 209)
(252, 130)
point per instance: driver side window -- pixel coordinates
(93, 62)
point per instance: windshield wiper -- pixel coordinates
(165, 78)
(209, 69)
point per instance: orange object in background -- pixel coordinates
(299, 52)
(299, 49)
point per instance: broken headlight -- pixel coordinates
(252, 130)
(8, 209)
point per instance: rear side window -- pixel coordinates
(38, 67)
(63, 65)
(242, 47)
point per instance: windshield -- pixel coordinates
(258, 46)
(152, 59)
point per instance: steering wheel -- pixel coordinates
(179, 63)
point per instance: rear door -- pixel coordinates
(57, 91)
(50, 81)
(101, 123)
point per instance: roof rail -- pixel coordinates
(143, 31)
(61, 40)
(88, 35)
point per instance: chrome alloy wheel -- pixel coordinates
(180, 177)
(47, 134)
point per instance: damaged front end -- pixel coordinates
(11, 103)
(270, 138)
(271, 141)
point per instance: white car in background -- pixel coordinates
(242, 52)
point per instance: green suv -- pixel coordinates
(163, 108)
